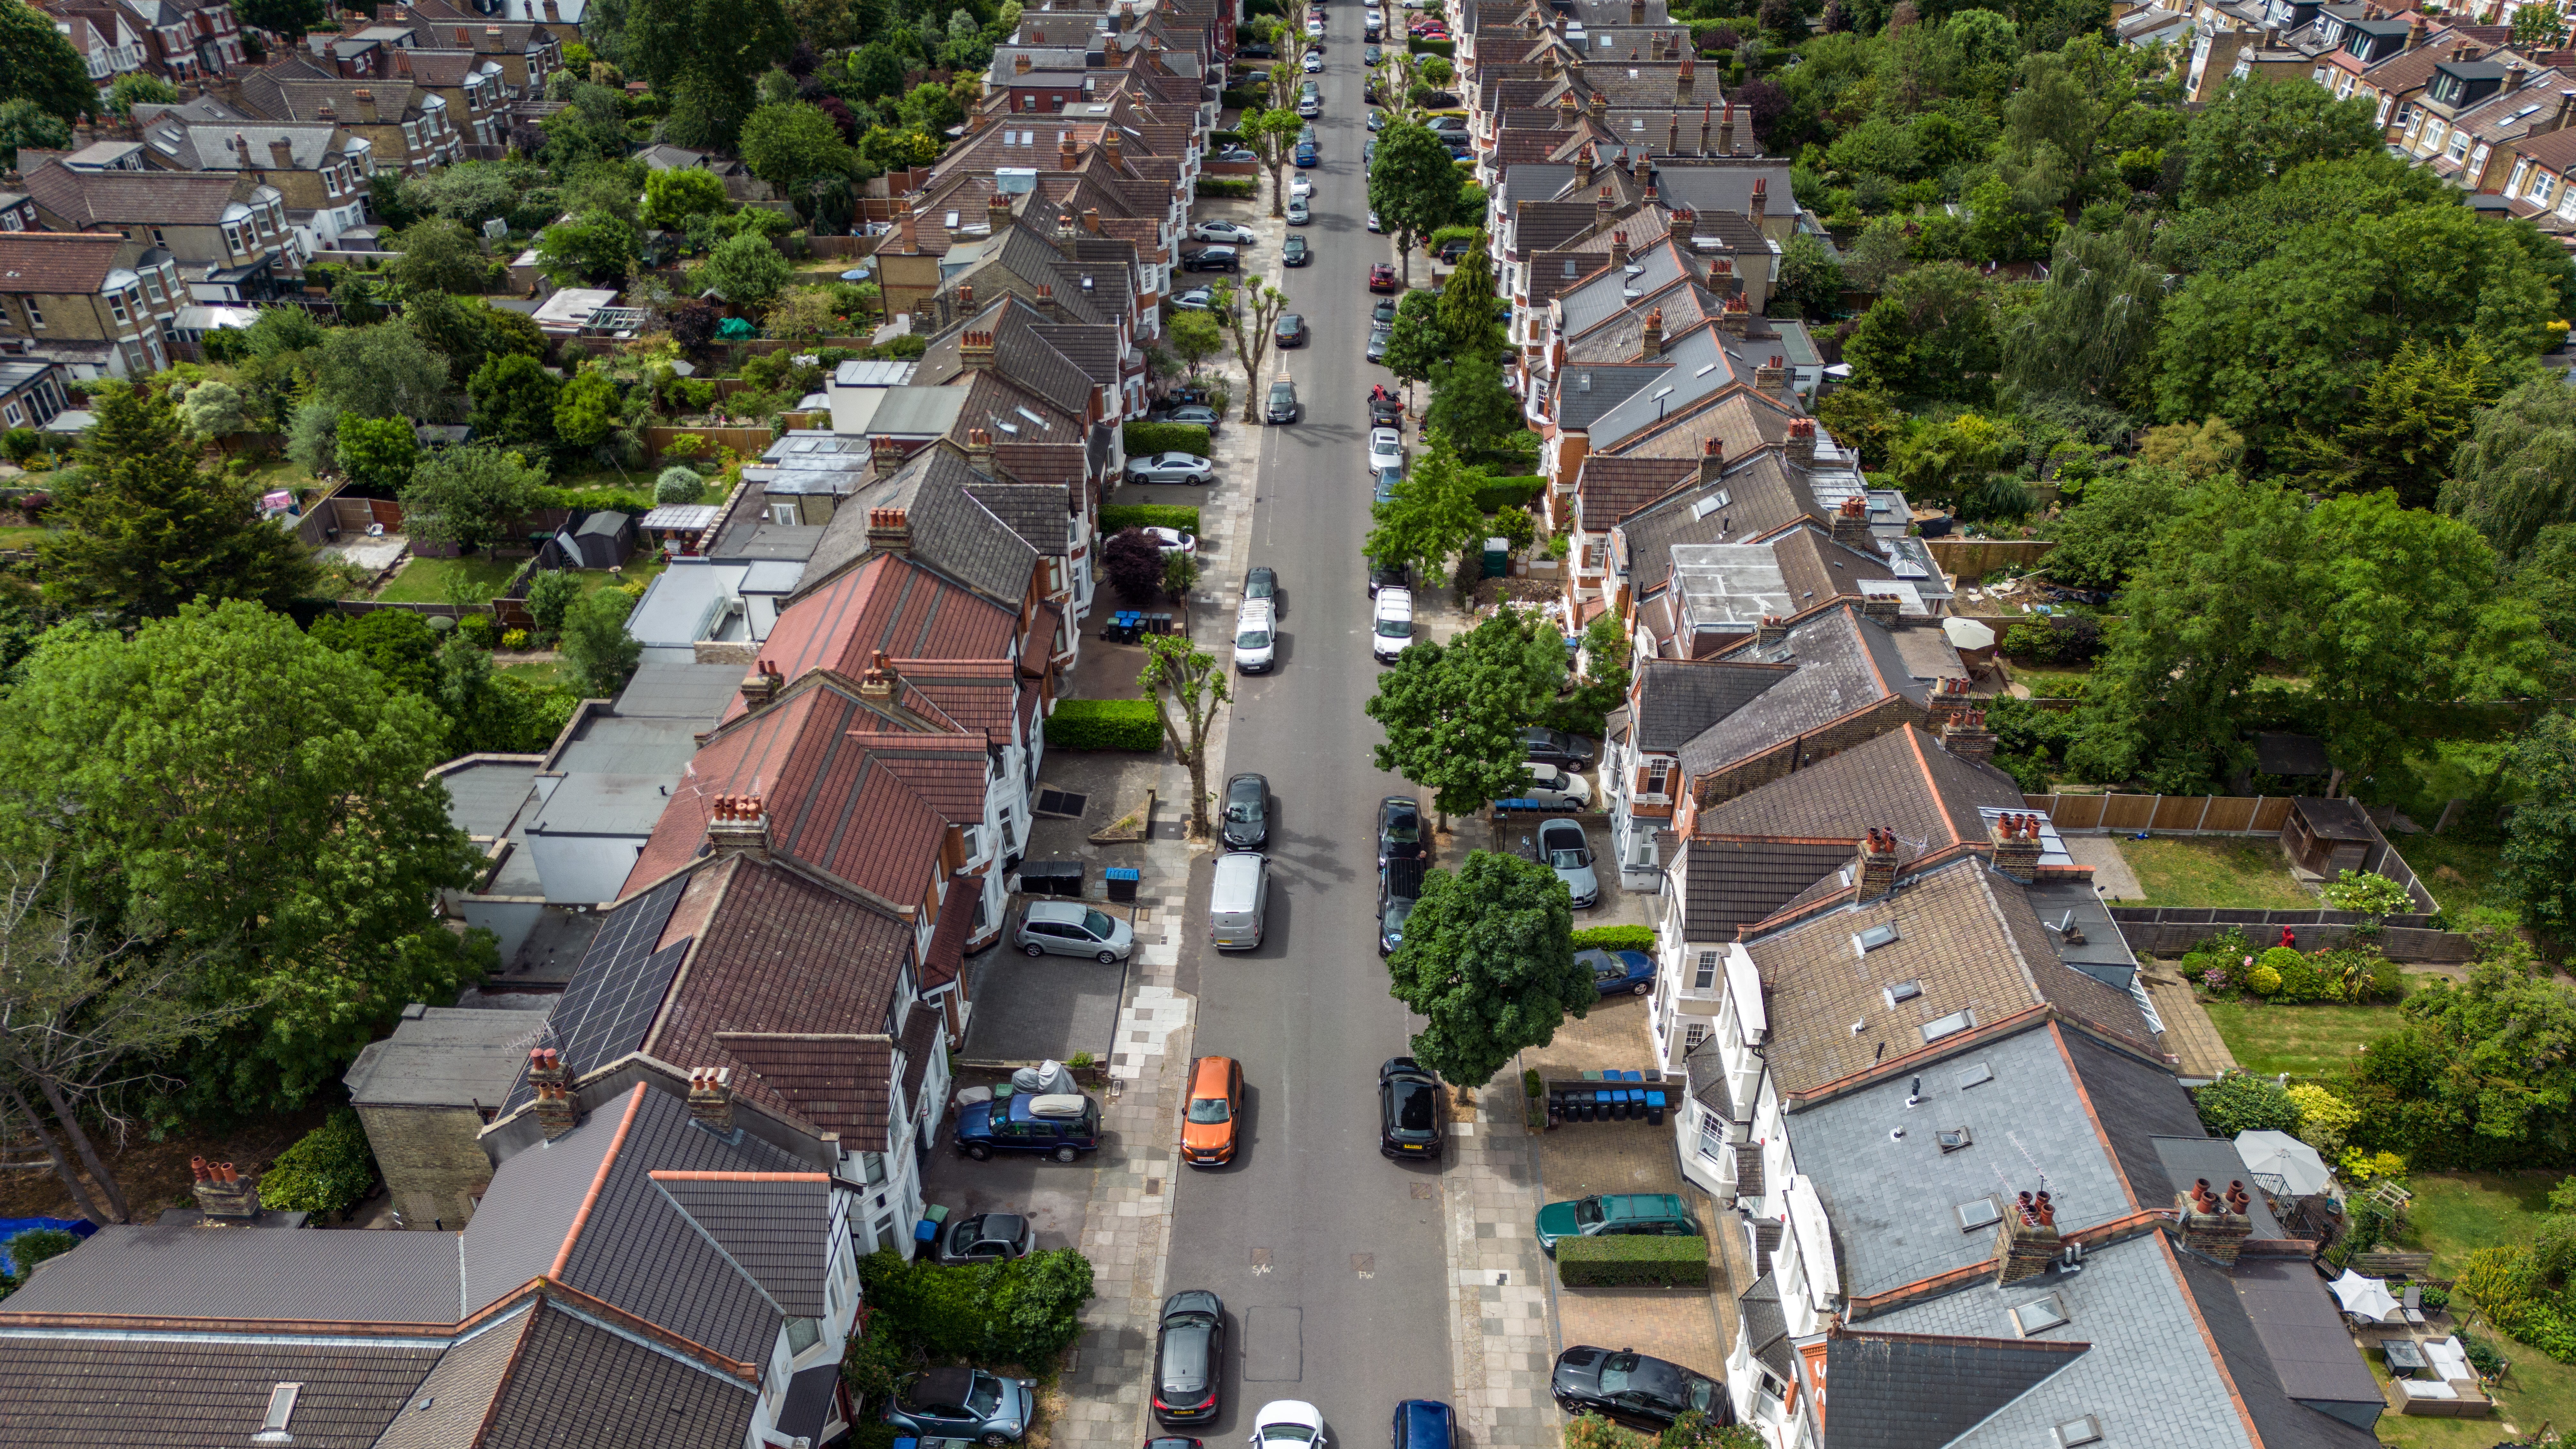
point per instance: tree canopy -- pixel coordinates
(1488, 962)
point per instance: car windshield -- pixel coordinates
(1297, 1432)
(1587, 1210)
(1701, 1391)
(1210, 1109)
(1242, 809)
(1396, 912)
(985, 1397)
(1568, 859)
(1405, 827)
(1395, 628)
(1098, 924)
(1619, 1373)
(1251, 639)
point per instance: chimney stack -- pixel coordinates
(1704, 110)
(1726, 131)
(711, 1097)
(1618, 239)
(1880, 609)
(2414, 30)
(997, 213)
(1109, 143)
(1736, 317)
(2016, 842)
(1769, 376)
(885, 457)
(1771, 633)
(1682, 83)
(1801, 448)
(1851, 524)
(2213, 1226)
(281, 154)
(1761, 198)
(1067, 155)
(555, 1112)
(878, 682)
(889, 531)
(761, 685)
(1600, 105)
(740, 826)
(1712, 457)
(2027, 1242)
(979, 450)
(1653, 341)
(1875, 875)
(1020, 64)
(222, 1193)
(1567, 108)
(1964, 734)
(1091, 220)
(975, 349)
(1636, 12)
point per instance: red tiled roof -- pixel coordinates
(888, 603)
(947, 956)
(979, 694)
(825, 1078)
(948, 772)
(56, 264)
(1613, 488)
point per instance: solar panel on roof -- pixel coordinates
(613, 996)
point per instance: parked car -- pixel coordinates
(1315, 28)
(1197, 415)
(1399, 829)
(1392, 631)
(1634, 1389)
(1387, 478)
(1408, 1110)
(1189, 1354)
(1376, 226)
(1232, 233)
(1171, 540)
(1296, 253)
(1618, 1214)
(1313, 62)
(1187, 468)
(1180, 397)
(1195, 299)
(1261, 582)
(1386, 412)
(1382, 274)
(1378, 339)
(1399, 885)
(962, 1403)
(1307, 155)
(1562, 848)
(1288, 1424)
(986, 1238)
(1301, 184)
(1290, 329)
(1556, 747)
(1372, 56)
(1453, 249)
(1238, 153)
(1070, 928)
(1060, 1126)
(1256, 51)
(1376, 122)
(1617, 972)
(1215, 1105)
(1384, 575)
(1385, 449)
(1309, 105)
(1368, 153)
(1383, 314)
(1422, 1424)
(1299, 211)
(1283, 406)
(1213, 259)
(1556, 789)
(1438, 124)
(1256, 638)
(1247, 805)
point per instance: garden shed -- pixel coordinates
(2326, 836)
(601, 541)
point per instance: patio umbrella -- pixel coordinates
(2282, 1156)
(1967, 634)
(2366, 1298)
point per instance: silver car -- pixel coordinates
(1563, 849)
(1171, 468)
(1070, 928)
(1379, 337)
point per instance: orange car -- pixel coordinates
(1215, 1104)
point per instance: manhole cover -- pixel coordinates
(1261, 1257)
(1423, 1190)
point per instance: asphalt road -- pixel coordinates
(1331, 1259)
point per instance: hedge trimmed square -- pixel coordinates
(1626, 1262)
(1116, 518)
(1146, 439)
(1105, 724)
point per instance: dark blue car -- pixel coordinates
(982, 1130)
(1617, 971)
(1306, 153)
(1422, 1424)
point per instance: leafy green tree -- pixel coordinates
(469, 496)
(1949, 463)
(587, 410)
(2243, 1102)
(550, 597)
(1432, 515)
(396, 643)
(1414, 188)
(1195, 336)
(745, 270)
(706, 56)
(25, 123)
(1467, 307)
(1810, 284)
(134, 88)
(1488, 962)
(2516, 472)
(672, 197)
(514, 402)
(469, 332)
(2497, 1041)
(2067, 104)
(595, 642)
(2259, 129)
(1272, 135)
(2104, 537)
(224, 784)
(1930, 335)
(2412, 416)
(1415, 344)
(153, 530)
(438, 255)
(2088, 328)
(2540, 838)
(385, 371)
(2538, 28)
(795, 146)
(376, 452)
(1469, 404)
(597, 249)
(37, 63)
(1453, 713)
(213, 411)
(2241, 230)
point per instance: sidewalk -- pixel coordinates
(1504, 1341)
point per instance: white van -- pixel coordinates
(1256, 637)
(1394, 623)
(1238, 899)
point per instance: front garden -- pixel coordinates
(1015, 1318)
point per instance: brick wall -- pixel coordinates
(431, 1161)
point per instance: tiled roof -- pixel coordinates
(216, 1273)
(1041, 513)
(948, 772)
(169, 1393)
(576, 1384)
(164, 198)
(947, 954)
(840, 1083)
(1816, 568)
(1609, 489)
(921, 1037)
(1844, 664)
(1766, 1327)
(2135, 1102)
(1910, 1391)
(452, 1402)
(2551, 150)
(951, 530)
(979, 694)
(56, 264)
(777, 1225)
(1678, 700)
(1727, 884)
(890, 604)
(1902, 781)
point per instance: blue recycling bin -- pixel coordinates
(1121, 881)
(1655, 1107)
(925, 1231)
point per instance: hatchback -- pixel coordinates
(1371, 57)
(1387, 479)
(1618, 1214)
(1313, 62)
(1213, 259)
(1216, 1102)
(1283, 402)
(1306, 153)
(1399, 829)
(986, 1238)
(1562, 848)
(1555, 789)
(1188, 1352)
(1300, 211)
(1247, 802)
(1408, 1110)
(962, 1403)
(1296, 253)
(1378, 339)
(1393, 627)
(1262, 582)
(1615, 972)
(1556, 747)
(1382, 275)
(1385, 449)
(1290, 329)
(1399, 885)
(1070, 928)
(1631, 1388)
(1422, 1424)
(1386, 575)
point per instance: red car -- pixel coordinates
(1382, 277)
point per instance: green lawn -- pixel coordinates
(21, 537)
(545, 671)
(2453, 1215)
(2232, 874)
(449, 580)
(2049, 681)
(640, 568)
(2305, 1040)
(2461, 874)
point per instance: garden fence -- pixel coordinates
(2166, 814)
(1969, 560)
(2171, 931)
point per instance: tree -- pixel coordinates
(2409, 420)
(2195, 450)
(467, 496)
(1432, 515)
(153, 529)
(2088, 328)
(744, 269)
(1133, 564)
(1196, 336)
(550, 596)
(1453, 713)
(222, 784)
(1930, 335)
(1414, 187)
(705, 55)
(1949, 463)
(1272, 135)
(1467, 306)
(1177, 676)
(588, 410)
(37, 63)
(514, 401)
(2540, 836)
(2066, 106)
(1811, 280)
(2257, 130)
(376, 452)
(595, 642)
(598, 248)
(25, 123)
(672, 197)
(384, 371)
(1248, 317)
(213, 411)
(80, 1016)
(1415, 344)
(1468, 402)
(2516, 473)
(396, 643)
(289, 18)
(1488, 963)
(794, 147)
(2537, 27)
(679, 483)
(135, 88)
(438, 255)
(2104, 537)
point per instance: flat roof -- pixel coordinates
(485, 796)
(603, 804)
(446, 1056)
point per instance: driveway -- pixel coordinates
(1030, 1008)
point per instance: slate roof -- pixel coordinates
(841, 1082)
(2286, 1344)
(1844, 664)
(1677, 700)
(776, 1226)
(449, 1406)
(1041, 513)
(233, 1275)
(1816, 568)
(1763, 493)
(190, 1393)
(2140, 1109)
(109, 198)
(1766, 1328)
(56, 264)
(1902, 781)
(577, 1384)
(1911, 1389)
(1726, 885)
(921, 1035)
(952, 530)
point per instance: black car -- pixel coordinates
(1176, 399)
(1213, 259)
(1453, 249)
(1295, 253)
(1247, 812)
(986, 1238)
(1399, 885)
(1386, 412)
(1633, 1389)
(1555, 747)
(1282, 407)
(1399, 829)
(1262, 582)
(1256, 51)
(1289, 330)
(1408, 1110)
(1187, 1356)
(1387, 576)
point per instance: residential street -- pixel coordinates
(1331, 1259)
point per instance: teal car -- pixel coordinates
(1635, 1214)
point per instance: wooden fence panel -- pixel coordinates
(2178, 812)
(2128, 812)
(2274, 814)
(2231, 813)
(750, 442)
(1971, 559)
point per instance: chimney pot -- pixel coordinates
(889, 531)
(1771, 633)
(1712, 458)
(2016, 846)
(1875, 875)
(2028, 1240)
(711, 1097)
(1801, 448)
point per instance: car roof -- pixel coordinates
(1003, 1225)
(1055, 911)
(1212, 1072)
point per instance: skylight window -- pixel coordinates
(1876, 936)
(1710, 504)
(2084, 1430)
(1976, 1076)
(1903, 991)
(1705, 369)
(1951, 1025)
(281, 1409)
(2039, 1317)
(1952, 1139)
(1983, 1213)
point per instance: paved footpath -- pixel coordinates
(1504, 1338)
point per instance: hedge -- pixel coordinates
(1105, 724)
(1144, 439)
(1420, 46)
(326, 1171)
(1616, 938)
(1225, 138)
(1632, 1262)
(1237, 100)
(1117, 518)
(1455, 233)
(1230, 188)
(1501, 493)
(1023, 1312)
